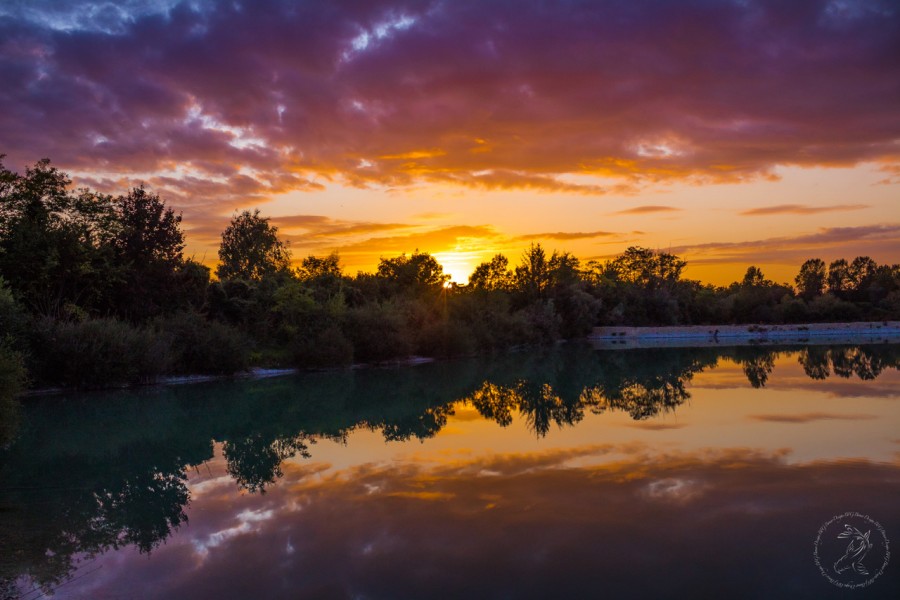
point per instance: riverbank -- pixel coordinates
(253, 373)
(870, 332)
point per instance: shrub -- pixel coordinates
(445, 339)
(98, 353)
(543, 322)
(378, 332)
(12, 382)
(200, 346)
(329, 348)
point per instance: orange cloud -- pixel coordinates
(564, 235)
(801, 209)
(641, 210)
(813, 416)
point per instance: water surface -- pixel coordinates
(576, 472)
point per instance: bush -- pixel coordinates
(13, 319)
(543, 322)
(12, 382)
(200, 346)
(379, 333)
(829, 307)
(98, 353)
(329, 348)
(446, 339)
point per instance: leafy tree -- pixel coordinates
(564, 269)
(251, 249)
(418, 273)
(838, 277)
(323, 276)
(754, 278)
(148, 246)
(647, 268)
(314, 267)
(533, 275)
(861, 273)
(150, 233)
(54, 246)
(492, 275)
(811, 279)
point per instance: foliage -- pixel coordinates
(811, 279)
(326, 348)
(97, 353)
(532, 276)
(379, 333)
(95, 290)
(492, 276)
(417, 274)
(148, 248)
(13, 379)
(197, 345)
(54, 246)
(251, 249)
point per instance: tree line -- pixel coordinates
(96, 290)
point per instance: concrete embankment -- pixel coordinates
(736, 335)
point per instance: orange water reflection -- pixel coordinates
(645, 474)
(630, 522)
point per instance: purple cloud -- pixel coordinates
(262, 97)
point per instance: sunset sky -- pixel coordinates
(730, 132)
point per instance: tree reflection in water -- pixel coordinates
(90, 473)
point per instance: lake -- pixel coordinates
(568, 473)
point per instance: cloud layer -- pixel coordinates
(721, 523)
(214, 101)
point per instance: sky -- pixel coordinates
(729, 132)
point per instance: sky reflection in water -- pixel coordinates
(654, 474)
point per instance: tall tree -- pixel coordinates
(148, 245)
(150, 232)
(251, 249)
(839, 277)
(646, 268)
(54, 245)
(811, 279)
(492, 275)
(754, 278)
(417, 273)
(533, 275)
(861, 273)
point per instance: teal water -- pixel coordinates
(575, 472)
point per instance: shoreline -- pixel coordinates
(602, 338)
(742, 335)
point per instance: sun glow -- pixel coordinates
(459, 264)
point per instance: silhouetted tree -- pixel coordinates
(54, 246)
(492, 275)
(838, 277)
(417, 273)
(149, 244)
(533, 277)
(754, 278)
(861, 273)
(251, 249)
(811, 279)
(647, 268)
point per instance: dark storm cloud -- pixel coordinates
(506, 95)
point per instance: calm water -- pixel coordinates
(701, 473)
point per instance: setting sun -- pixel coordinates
(449, 298)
